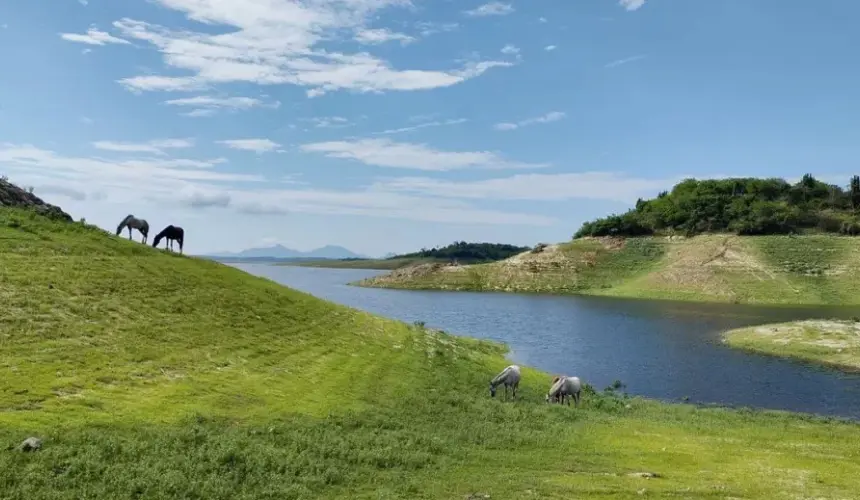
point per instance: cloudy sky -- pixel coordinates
(388, 125)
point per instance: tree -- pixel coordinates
(739, 205)
(855, 192)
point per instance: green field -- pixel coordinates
(151, 375)
(830, 343)
(810, 269)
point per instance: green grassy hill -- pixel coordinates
(811, 269)
(151, 375)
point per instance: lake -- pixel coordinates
(659, 349)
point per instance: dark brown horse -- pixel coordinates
(172, 233)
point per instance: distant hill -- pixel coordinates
(279, 252)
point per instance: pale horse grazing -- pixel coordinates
(510, 377)
(565, 386)
(134, 223)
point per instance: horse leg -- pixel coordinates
(129, 233)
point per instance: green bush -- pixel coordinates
(746, 206)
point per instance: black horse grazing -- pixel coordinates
(172, 233)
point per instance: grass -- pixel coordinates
(151, 375)
(810, 270)
(830, 343)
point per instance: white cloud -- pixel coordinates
(156, 182)
(208, 105)
(620, 62)
(65, 191)
(631, 4)
(542, 19)
(330, 122)
(387, 153)
(510, 50)
(196, 197)
(156, 146)
(377, 36)
(93, 37)
(163, 83)
(122, 175)
(256, 145)
(279, 42)
(491, 9)
(552, 116)
(83, 2)
(611, 186)
(200, 113)
(86, 120)
(550, 48)
(454, 121)
(428, 28)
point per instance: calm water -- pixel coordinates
(662, 350)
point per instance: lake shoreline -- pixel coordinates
(671, 401)
(808, 270)
(834, 344)
(537, 324)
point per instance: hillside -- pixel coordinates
(282, 252)
(744, 206)
(459, 252)
(811, 269)
(390, 263)
(154, 375)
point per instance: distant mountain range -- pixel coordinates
(280, 252)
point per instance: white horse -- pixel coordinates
(510, 377)
(565, 386)
(131, 222)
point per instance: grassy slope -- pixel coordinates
(152, 375)
(831, 343)
(721, 268)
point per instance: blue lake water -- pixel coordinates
(662, 350)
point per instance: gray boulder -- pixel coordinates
(14, 196)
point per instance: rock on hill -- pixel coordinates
(14, 196)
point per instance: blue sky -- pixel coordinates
(390, 125)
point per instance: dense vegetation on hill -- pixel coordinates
(467, 252)
(746, 206)
(459, 252)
